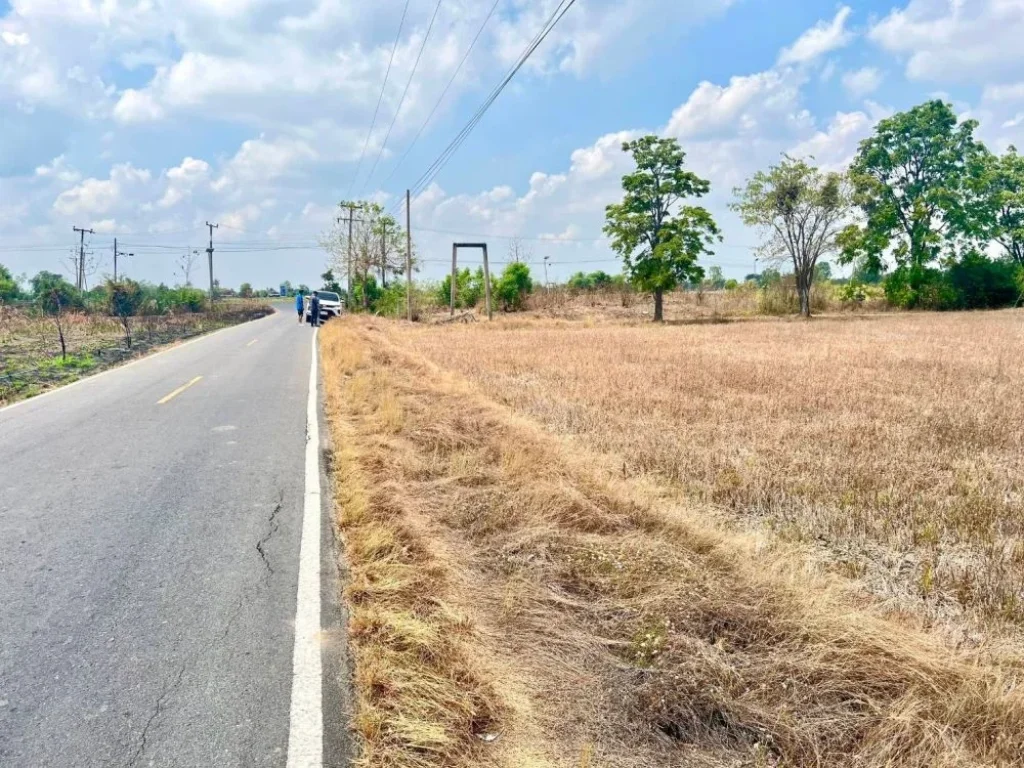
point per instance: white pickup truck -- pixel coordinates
(330, 305)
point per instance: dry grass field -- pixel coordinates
(759, 543)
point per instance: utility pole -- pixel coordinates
(408, 256)
(455, 276)
(546, 284)
(116, 254)
(209, 252)
(80, 277)
(487, 284)
(383, 252)
(348, 279)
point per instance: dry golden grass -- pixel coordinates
(506, 584)
(894, 444)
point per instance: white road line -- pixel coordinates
(306, 729)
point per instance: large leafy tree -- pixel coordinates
(802, 211)
(912, 181)
(658, 236)
(999, 183)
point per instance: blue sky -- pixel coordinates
(143, 120)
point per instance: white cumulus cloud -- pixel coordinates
(820, 39)
(861, 82)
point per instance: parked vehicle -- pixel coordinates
(330, 305)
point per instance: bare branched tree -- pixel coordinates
(186, 263)
(377, 246)
(518, 251)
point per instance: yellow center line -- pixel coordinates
(178, 391)
(252, 342)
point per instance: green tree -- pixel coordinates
(801, 211)
(715, 280)
(999, 182)
(305, 290)
(911, 179)
(580, 282)
(822, 272)
(53, 293)
(9, 290)
(124, 299)
(514, 285)
(329, 283)
(658, 237)
(245, 291)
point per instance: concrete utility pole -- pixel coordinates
(546, 272)
(455, 276)
(209, 252)
(116, 254)
(383, 253)
(487, 283)
(348, 279)
(80, 277)
(408, 256)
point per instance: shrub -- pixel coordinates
(54, 294)
(513, 287)
(9, 290)
(593, 281)
(983, 283)
(469, 288)
(391, 301)
(372, 291)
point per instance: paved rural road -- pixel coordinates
(150, 561)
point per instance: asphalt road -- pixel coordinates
(149, 558)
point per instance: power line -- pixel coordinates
(435, 168)
(401, 101)
(444, 93)
(383, 86)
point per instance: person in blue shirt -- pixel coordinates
(299, 305)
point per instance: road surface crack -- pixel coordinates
(273, 525)
(157, 710)
(161, 702)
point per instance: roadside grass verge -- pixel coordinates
(514, 604)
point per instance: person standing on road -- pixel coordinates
(299, 305)
(314, 309)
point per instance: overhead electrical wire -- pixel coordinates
(376, 111)
(405, 92)
(444, 93)
(442, 160)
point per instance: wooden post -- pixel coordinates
(487, 284)
(408, 256)
(455, 276)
